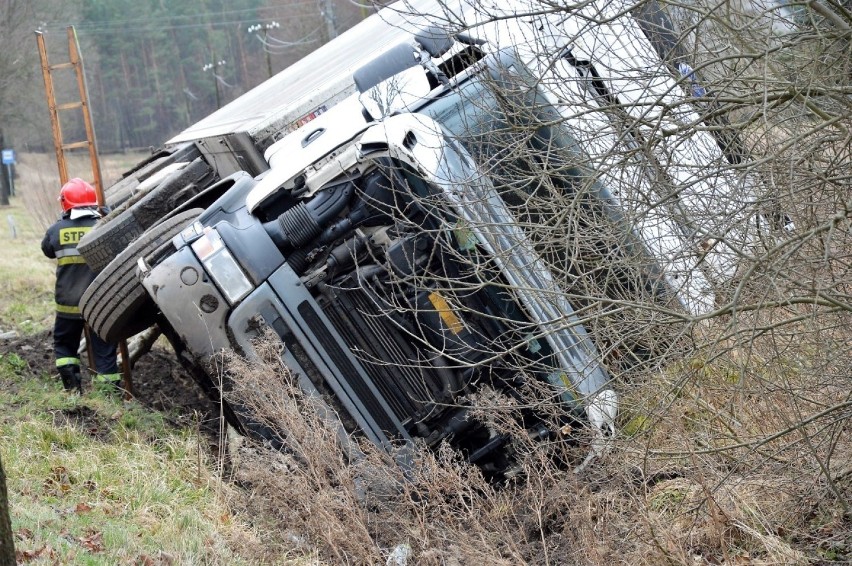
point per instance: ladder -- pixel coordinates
(62, 149)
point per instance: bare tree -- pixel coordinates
(22, 106)
(684, 175)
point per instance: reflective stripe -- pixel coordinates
(107, 378)
(70, 260)
(67, 309)
(62, 362)
(67, 252)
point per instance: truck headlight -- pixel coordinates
(221, 265)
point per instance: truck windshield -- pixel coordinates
(513, 133)
(520, 142)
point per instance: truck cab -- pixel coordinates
(438, 217)
(393, 270)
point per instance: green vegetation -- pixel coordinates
(26, 277)
(95, 482)
(92, 480)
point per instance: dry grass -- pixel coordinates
(38, 180)
(26, 276)
(700, 474)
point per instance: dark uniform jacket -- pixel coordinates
(72, 273)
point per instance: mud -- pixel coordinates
(158, 382)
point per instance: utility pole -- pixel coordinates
(187, 97)
(265, 27)
(327, 12)
(7, 541)
(212, 68)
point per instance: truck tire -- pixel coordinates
(115, 305)
(116, 230)
(123, 189)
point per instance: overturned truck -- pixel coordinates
(435, 215)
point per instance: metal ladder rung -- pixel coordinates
(76, 145)
(69, 106)
(77, 64)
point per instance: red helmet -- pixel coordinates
(77, 192)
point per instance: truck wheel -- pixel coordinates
(113, 234)
(123, 189)
(115, 304)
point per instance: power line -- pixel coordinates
(367, 5)
(178, 17)
(274, 44)
(143, 25)
(148, 30)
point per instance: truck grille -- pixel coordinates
(409, 384)
(338, 357)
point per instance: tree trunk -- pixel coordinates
(7, 545)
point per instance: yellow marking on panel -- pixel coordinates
(446, 313)
(563, 377)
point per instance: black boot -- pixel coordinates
(71, 378)
(78, 379)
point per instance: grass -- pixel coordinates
(26, 276)
(92, 480)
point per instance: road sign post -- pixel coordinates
(9, 160)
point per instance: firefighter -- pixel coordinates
(79, 213)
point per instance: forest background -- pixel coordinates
(153, 67)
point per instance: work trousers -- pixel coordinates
(67, 333)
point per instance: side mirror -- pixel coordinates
(434, 40)
(385, 66)
(399, 93)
